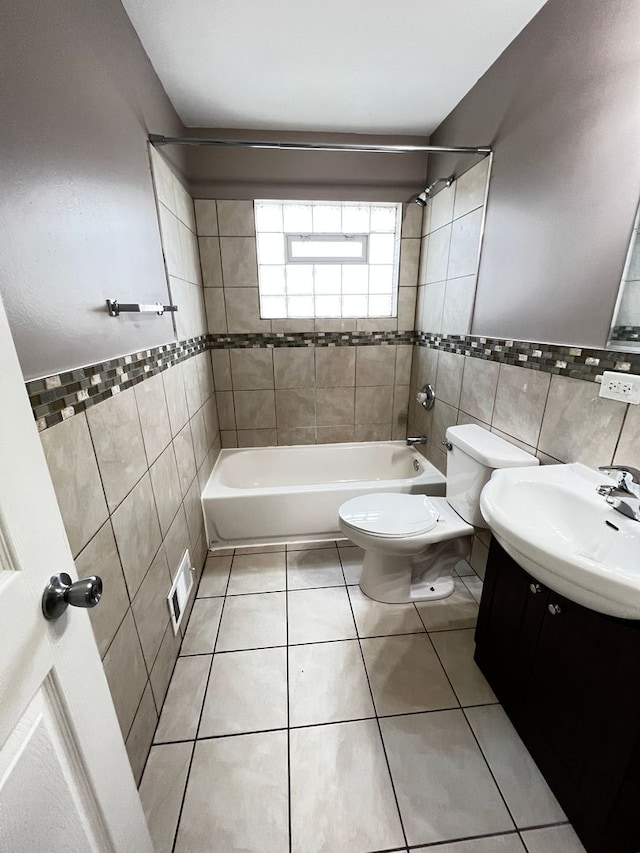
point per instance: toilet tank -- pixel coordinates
(474, 455)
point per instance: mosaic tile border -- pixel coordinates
(576, 362)
(60, 396)
(621, 334)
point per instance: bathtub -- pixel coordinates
(270, 495)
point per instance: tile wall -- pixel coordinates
(299, 395)
(555, 417)
(128, 474)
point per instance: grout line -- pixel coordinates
(286, 605)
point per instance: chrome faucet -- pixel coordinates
(625, 495)
(418, 439)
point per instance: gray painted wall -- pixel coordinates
(77, 214)
(245, 173)
(561, 108)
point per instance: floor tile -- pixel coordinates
(528, 796)
(328, 684)
(253, 622)
(214, 577)
(474, 585)
(552, 839)
(259, 549)
(314, 568)
(406, 675)
(460, 610)
(257, 573)
(455, 650)
(442, 782)
(341, 794)
(202, 627)
(161, 791)
(237, 796)
(181, 709)
(351, 559)
(494, 844)
(463, 569)
(316, 615)
(375, 619)
(247, 692)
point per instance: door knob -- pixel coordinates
(535, 588)
(554, 609)
(60, 592)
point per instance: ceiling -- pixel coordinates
(362, 66)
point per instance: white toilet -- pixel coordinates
(412, 542)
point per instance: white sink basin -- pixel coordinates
(554, 524)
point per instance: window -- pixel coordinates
(327, 259)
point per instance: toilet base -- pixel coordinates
(400, 579)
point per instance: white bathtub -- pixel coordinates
(269, 495)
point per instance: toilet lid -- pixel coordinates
(390, 514)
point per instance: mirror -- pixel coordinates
(625, 326)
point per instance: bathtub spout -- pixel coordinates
(418, 439)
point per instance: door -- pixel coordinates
(65, 780)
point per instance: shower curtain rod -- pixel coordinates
(158, 140)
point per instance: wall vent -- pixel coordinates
(180, 589)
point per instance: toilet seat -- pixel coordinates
(385, 517)
(389, 514)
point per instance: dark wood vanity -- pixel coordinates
(569, 680)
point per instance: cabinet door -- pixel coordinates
(580, 716)
(511, 613)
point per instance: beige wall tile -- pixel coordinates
(442, 207)
(449, 378)
(578, 425)
(255, 409)
(375, 365)
(335, 407)
(404, 353)
(199, 435)
(297, 325)
(100, 557)
(117, 439)
(228, 438)
(520, 402)
(444, 416)
(150, 611)
(166, 488)
(334, 434)
(438, 255)
(239, 261)
(251, 369)
(135, 525)
(377, 324)
(221, 363)
(479, 385)
(139, 741)
(299, 435)
(406, 309)
(164, 663)
(372, 432)
(326, 325)
(193, 512)
(154, 416)
(236, 219)
(206, 217)
(176, 541)
(215, 310)
(170, 241)
(294, 367)
(295, 408)
(176, 398)
(76, 479)
(162, 180)
(185, 458)
(409, 260)
(465, 245)
(256, 438)
(433, 307)
(226, 410)
(411, 219)
(471, 188)
(400, 411)
(243, 310)
(126, 673)
(374, 404)
(191, 385)
(210, 261)
(427, 366)
(335, 367)
(457, 311)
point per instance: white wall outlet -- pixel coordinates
(180, 589)
(620, 386)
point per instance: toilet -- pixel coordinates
(413, 542)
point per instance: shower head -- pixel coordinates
(423, 197)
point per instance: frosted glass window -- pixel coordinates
(327, 258)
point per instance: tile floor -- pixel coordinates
(304, 717)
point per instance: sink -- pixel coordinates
(554, 524)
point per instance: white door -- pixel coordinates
(65, 780)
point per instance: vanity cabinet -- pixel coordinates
(569, 679)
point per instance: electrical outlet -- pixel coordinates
(620, 386)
